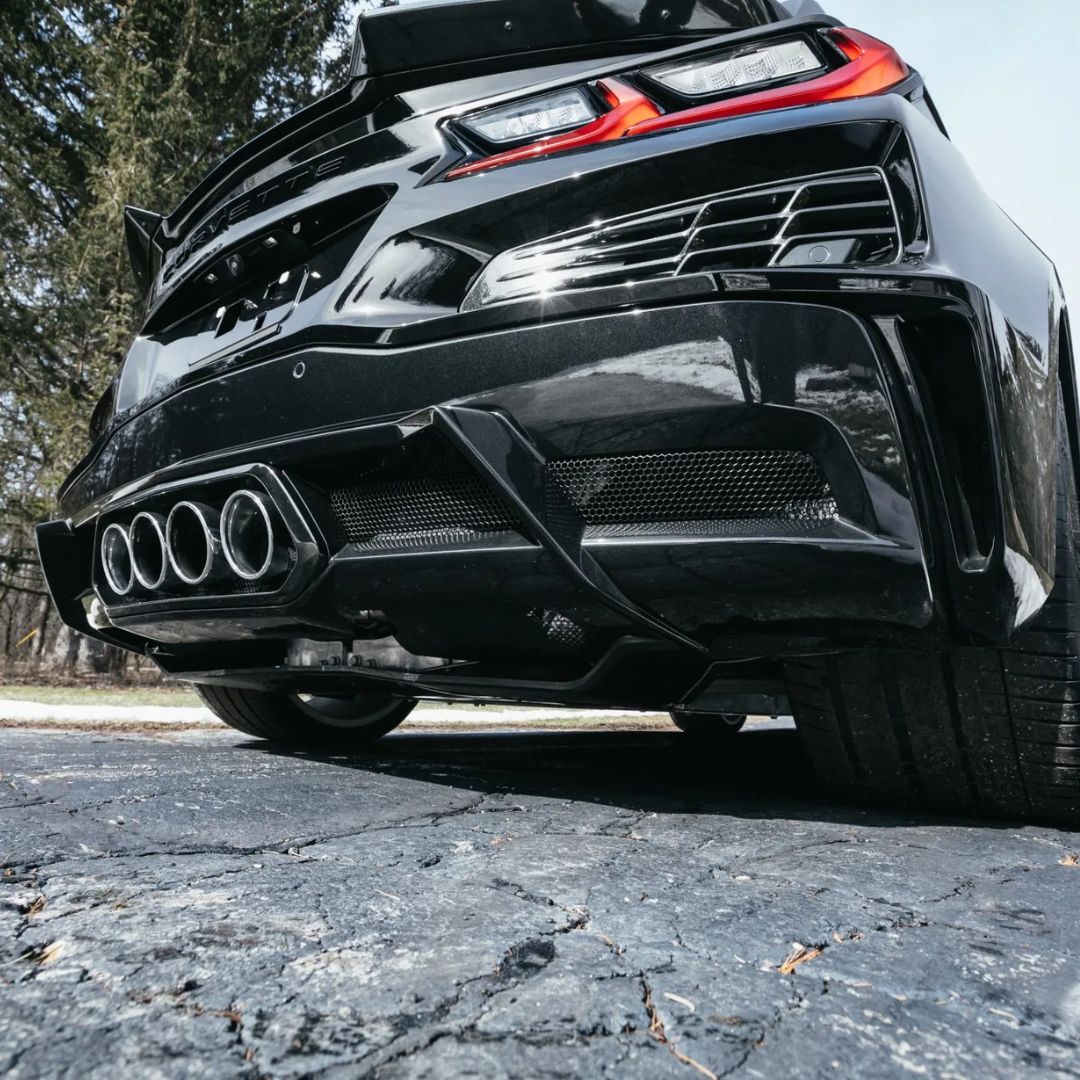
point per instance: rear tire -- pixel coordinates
(307, 724)
(970, 730)
(709, 727)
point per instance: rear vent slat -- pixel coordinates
(731, 233)
(741, 207)
(841, 219)
(212, 267)
(851, 214)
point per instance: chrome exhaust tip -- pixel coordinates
(193, 543)
(149, 556)
(247, 537)
(116, 560)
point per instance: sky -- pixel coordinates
(1005, 75)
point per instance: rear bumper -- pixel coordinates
(559, 588)
(924, 394)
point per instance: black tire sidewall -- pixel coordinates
(717, 726)
(278, 717)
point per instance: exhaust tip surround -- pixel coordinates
(149, 554)
(116, 560)
(247, 536)
(193, 543)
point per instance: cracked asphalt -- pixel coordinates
(507, 904)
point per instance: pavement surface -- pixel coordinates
(118, 717)
(507, 904)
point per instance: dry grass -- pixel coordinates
(91, 695)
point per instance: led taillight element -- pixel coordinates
(725, 73)
(873, 68)
(534, 118)
(628, 107)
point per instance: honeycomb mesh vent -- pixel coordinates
(695, 486)
(420, 511)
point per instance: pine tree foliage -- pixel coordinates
(105, 103)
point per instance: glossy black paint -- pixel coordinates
(927, 390)
(405, 39)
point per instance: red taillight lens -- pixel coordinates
(873, 68)
(628, 107)
(846, 45)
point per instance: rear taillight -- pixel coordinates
(752, 79)
(872, 68)
(706, 77)
(538, 117)
(627, 107)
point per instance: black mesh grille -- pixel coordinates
(695, 486)
(694, 492)
(420, 511)
(749, 528)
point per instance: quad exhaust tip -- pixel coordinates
(247, 537)
(116, 560)
(194, 546)
(149, 553)
(193, 542)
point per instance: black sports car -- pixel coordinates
(604, 353)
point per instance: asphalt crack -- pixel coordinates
(298, 917)
(658, 1032)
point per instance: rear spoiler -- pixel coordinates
(140, 227)
(399, 39)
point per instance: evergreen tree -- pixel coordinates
(105, 103)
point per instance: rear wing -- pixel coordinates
(398, 39)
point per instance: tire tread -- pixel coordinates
(994, 731)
